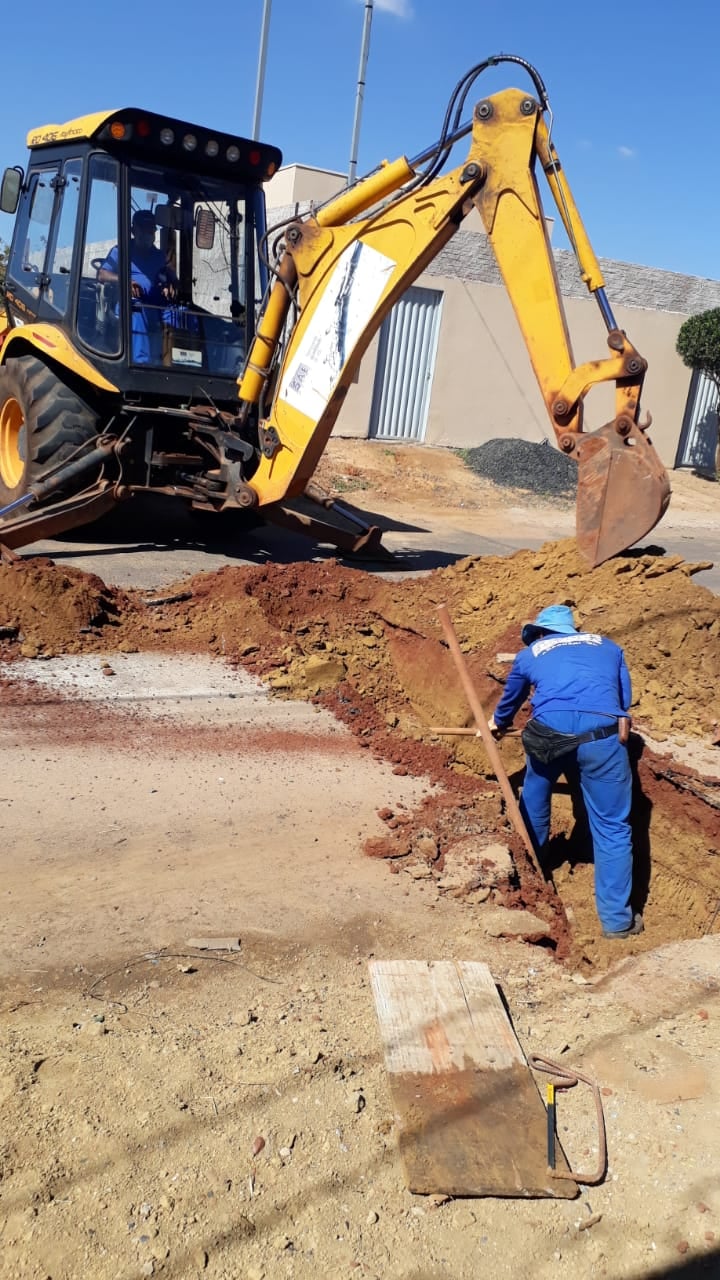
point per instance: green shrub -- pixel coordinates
(698, 343)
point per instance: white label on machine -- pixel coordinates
(351, 296)
(181, 356)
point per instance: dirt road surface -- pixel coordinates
(172, 1111)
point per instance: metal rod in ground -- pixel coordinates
(481, 721)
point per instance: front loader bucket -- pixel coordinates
(623, 491)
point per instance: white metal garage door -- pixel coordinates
(405, 366)
(699, 436)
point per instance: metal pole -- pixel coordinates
(364, 50)
(261, 68)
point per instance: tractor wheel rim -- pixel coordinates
(12, 439)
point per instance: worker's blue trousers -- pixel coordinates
(606, 783)
(146, 339)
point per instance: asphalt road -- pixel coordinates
(164, 543)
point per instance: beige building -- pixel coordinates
(450, 368)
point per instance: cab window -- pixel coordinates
(60, 261)
(32, 232)
(192, 314)
(98, 315)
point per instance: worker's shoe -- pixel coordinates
(637, 926)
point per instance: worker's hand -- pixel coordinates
(494, 729)
(136, 289)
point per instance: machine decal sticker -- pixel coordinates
(352, 294)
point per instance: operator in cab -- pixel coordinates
(153, 284)
(581, 694)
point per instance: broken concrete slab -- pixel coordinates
(501, 922)
(471, 864)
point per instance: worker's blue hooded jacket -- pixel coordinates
(570, 673)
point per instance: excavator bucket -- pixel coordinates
(623, 491)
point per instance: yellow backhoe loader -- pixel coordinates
(153, 341)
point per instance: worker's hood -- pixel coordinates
(557, 618)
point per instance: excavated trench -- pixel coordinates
(372, 651)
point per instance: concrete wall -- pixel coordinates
(298, 183)
(484, 386)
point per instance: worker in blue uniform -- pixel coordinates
(153, 285)
(581, 694)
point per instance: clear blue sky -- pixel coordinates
(632, 88)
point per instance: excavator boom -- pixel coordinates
(344, 267)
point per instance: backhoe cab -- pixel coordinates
(138, 355)
(132, 287)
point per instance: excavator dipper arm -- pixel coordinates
(344, 271)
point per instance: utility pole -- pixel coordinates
(364, 50)
(260, 85)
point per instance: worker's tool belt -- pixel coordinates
(546, 744)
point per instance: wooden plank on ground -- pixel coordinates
(470, 1118)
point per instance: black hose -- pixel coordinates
(459, 95)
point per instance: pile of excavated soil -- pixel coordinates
(315, 625)
(48, 610)
(372, 650)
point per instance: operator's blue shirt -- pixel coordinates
(148, 269)
(569, 673)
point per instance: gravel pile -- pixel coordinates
(520, 464)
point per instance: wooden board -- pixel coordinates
(470, 1118)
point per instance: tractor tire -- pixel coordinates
(42, 422)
